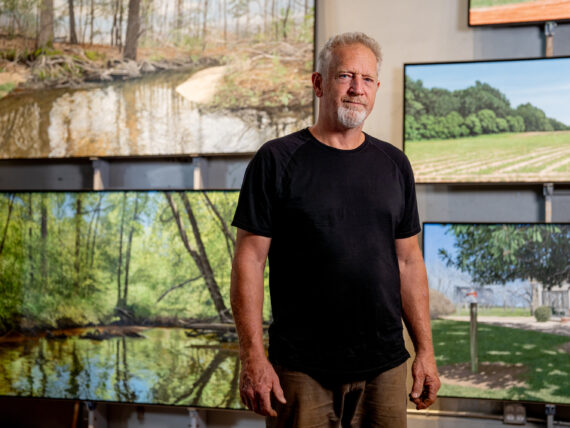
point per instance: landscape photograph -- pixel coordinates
(119, 296)
(489, 121)
(83, 78)
(501, 12)
(518, 276)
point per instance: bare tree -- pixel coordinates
(133, 30)
(45, 36)
(72, 32)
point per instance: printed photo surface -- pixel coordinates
(492, 121)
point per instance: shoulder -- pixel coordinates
(283, 148)
(392, 153)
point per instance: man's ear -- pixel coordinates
(317, 80)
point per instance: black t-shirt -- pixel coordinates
(333, 216)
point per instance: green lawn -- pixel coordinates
(491, 3)
(532, 156)
(497, 312)
(548, 367)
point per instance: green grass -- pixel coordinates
(6, 88)
(498, 312)
(504, 148)
(548, 367)
(491, 3)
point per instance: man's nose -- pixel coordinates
(357, 85)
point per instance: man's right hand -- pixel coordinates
(257, 381)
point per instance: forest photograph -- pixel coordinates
(81, 78)
(119, 296)
(496, 12)
(519, 277)
(495, 121)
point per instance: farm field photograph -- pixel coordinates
(119, 296)
(518, 276)
(496, 12)
(492, 121)
(152, 77)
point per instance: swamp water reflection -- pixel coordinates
(145, 116)
(163, 367)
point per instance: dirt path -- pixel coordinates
(540, 10)
(524, 323)
(201, 86)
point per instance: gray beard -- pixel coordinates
(350, 118)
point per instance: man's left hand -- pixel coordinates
(426, 381)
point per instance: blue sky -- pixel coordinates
(544, 83)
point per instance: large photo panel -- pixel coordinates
(488, 121)
(152, 77)
(119, 296)
(518, 274)
(510, 12)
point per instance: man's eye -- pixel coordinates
(344, 76)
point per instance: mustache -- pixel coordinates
(356, 100)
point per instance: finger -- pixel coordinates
(278, 391)
(417, 386)
(264, 401)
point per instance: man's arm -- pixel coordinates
(415, 304)
(258, 378)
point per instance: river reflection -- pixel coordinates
(164, 367)
(138, 117)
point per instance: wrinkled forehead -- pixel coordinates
(356, 58)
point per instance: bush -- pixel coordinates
(543, 313)
(439, 304)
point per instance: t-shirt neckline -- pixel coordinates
(314, 140)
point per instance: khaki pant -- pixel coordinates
(380, 402)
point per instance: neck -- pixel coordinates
(340, 138)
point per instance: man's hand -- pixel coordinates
(257, 381)
(426, 381)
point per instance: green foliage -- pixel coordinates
(488, 121)
(503, 253)
(516, 123)
(543, 313)
(6, 88)
(95, 55)
(480, 109)
(65, 257)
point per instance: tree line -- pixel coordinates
(73, 259)
(438, 113)
(126, 24)
(498, 254)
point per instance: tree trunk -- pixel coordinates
(77, 265)
(72, 32)
(199, 257)
(5, 232)
(133, 30)
(91, 19)
(228, 235)
(45, 37)
(204, 25)
(120, 24)
(120, 258)
(285, 18)
(129, 246)
(225, 21)
(31, 238)
(44, 238)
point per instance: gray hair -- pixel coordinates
(326, 54)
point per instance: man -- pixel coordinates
(335, 211)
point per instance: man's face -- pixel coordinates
(349, 90)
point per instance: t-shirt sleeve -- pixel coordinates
(256, 201)
(409, 224)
